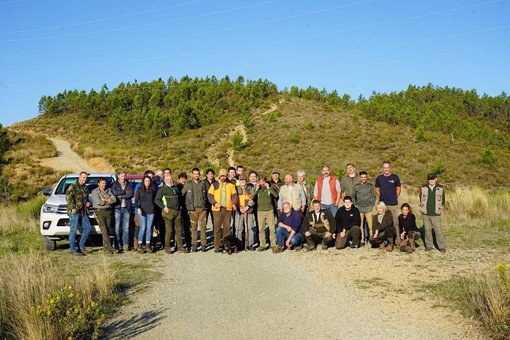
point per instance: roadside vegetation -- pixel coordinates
(49, 295)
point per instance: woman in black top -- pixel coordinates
(382, 224)
(408, 230)
(144, 202)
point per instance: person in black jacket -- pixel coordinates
(409, 232)
(384, 233)
(144, 204)
(348, 222)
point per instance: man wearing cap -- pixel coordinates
(432, 201)
(223, 197)
(275, 183)
(327, 190)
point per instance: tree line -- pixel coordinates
(457, 112)
(163, 108)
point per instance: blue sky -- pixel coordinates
(353, 46)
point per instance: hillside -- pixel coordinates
(300, 129)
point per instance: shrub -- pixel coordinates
(67, 309)
(440, 167)
(39, 301)
(237, 140)
(488, 158)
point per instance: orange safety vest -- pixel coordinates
(332, 187)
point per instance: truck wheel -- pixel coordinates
(50, 244)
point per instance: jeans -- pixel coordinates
(282, 234)
(78, 221)
(122, 216)
(331, 207)
(145, 228)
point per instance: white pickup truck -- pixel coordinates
(54, 221)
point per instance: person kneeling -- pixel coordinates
(318, 223)
(348, 222)
(409, 232)
(289, 229)
(382, 224)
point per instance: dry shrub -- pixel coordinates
(468, 204)
(101, 164)
(38, 302)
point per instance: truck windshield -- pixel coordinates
(91, 184)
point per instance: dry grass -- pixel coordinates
(486, 299)
(38, 301)
(21, 217)
(100, 164)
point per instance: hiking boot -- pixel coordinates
(108, 250)
(250, 248)
(309, 248)
(442, 250)
(182, 251)
(140, 249)
(261, 249)
(194, 248)
(324, 246)
(84, 251)
(168, 250)
(389, 247)
(277, 249)
(77, 253)
(298, 248)
(125, 248)
(203, 249)
(217, 250)
(428, 248)
(148, 248)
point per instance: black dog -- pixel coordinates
(231, 244)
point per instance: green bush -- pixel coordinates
(65, 308)
(237, 140)
(488, 157)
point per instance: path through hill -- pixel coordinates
(67, 159)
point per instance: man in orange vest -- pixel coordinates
(327, 190)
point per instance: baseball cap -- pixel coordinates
(431, 176)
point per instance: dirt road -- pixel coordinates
(263, 295)
(67, 159)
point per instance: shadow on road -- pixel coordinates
(134, 325)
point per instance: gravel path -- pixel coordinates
(67, 159)
(263, 295)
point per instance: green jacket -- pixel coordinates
(168, 197)
(77, 197)
(264, 197)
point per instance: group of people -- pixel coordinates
(256, 210)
